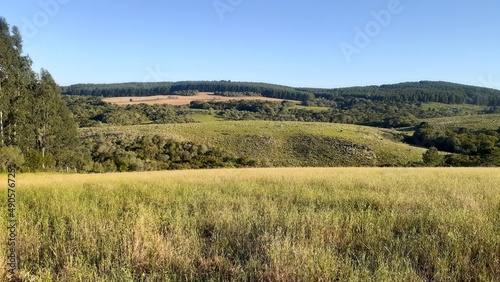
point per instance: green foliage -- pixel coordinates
(33, 116)
(92, 111)
(125, 152)
(432, 157)
(423, 91)
(118, 89)
(479, 147)
(10, 155)
(237, 94)
(352, 111)
(37, 161)
(150, 89)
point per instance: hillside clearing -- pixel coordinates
(177, 100)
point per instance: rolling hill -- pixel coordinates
(278, 144)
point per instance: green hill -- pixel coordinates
(422, 91)
(285, 143)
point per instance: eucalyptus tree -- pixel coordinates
(33, 116)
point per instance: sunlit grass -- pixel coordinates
(261, 224)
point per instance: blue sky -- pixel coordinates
(322, 43)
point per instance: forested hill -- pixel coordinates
(423, 91)
(164, 88)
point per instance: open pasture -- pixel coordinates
(280, 224)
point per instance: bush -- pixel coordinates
(10, 156)
(432, 157)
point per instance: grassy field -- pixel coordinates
(295, 224)
(491, 121)
(272, 143)
(466, 108)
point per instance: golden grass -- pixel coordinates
(283, 224)
(177, 100)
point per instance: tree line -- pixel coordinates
(423, 91)
(167, 88)
(467, 147)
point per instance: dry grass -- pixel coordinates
(181, 100)
(301, 224)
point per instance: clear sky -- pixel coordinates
(318, 43)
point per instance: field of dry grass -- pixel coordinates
(181, 100)
(283, 224)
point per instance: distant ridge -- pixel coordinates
(422, 91)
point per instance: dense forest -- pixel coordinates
(118, 89)
(423, 91)
(165, 88)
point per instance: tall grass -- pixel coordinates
(345, 224)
